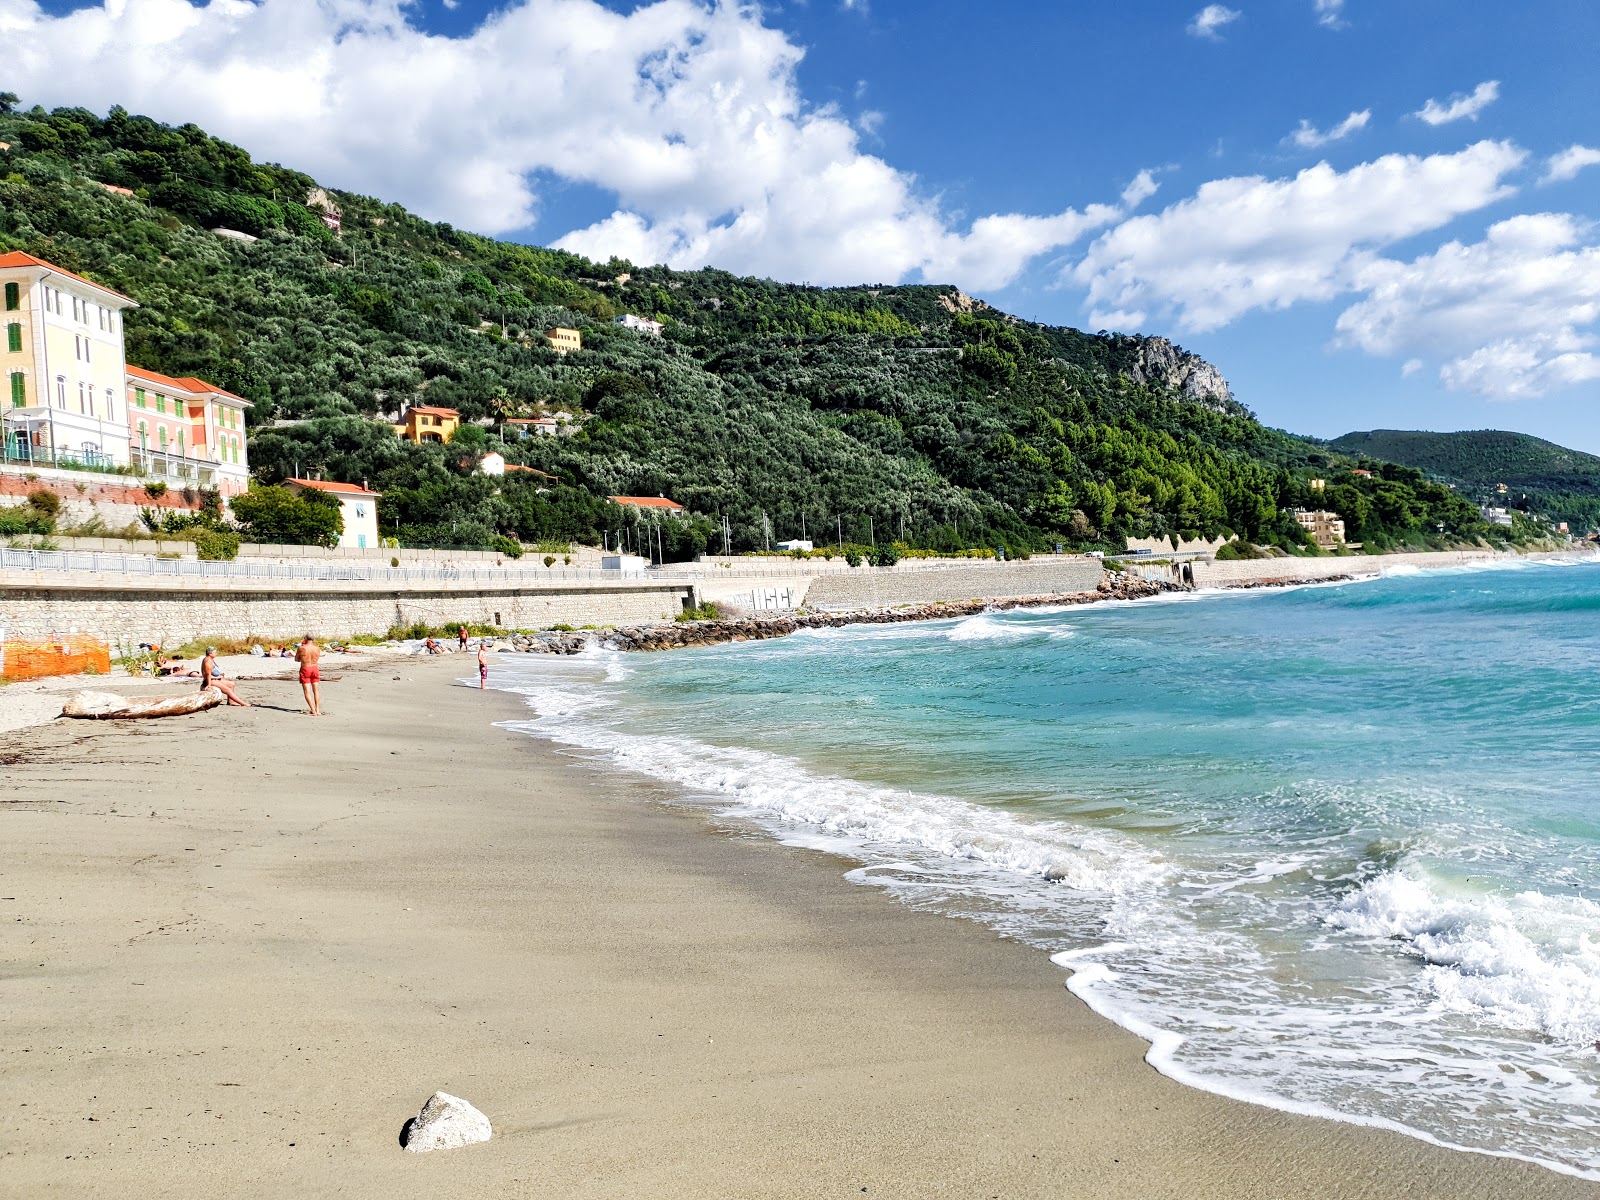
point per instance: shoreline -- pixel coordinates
(251, 989)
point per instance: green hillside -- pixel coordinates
(1539, 475)
(909, 411)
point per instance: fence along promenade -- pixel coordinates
(144, 566)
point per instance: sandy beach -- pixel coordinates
(241, 948)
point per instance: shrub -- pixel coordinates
(155, 490)
(853, 557)
(1238, 549)
(549, 560)
(885, 556)
(285, 516)
(215, 545)
(510, 547)
(45, 503)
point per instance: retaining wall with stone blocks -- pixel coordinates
(173, 617)
(888, 587)
(1294, 570)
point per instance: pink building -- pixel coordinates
(187, 432)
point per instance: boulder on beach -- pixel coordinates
(444, 1123)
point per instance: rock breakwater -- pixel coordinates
(680, 635)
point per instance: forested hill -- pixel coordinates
(911, 410)
(1565, 483)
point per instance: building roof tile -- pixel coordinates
(16, 260)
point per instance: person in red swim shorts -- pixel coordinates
(308, 655)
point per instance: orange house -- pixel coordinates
(424, 424)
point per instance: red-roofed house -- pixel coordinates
(423, 423)
(655, 504)
(359, 506)
(62, 362)
(187, 432)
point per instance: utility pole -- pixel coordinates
(802, 524)
(840, 519)
(872, 538)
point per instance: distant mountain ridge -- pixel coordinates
(1474, 455)
(1539, 475)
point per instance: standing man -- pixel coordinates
(483, 666)
(463, 636)
(308, 655)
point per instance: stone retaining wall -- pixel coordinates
(1293, 570)
(867, 587)
(174, 617)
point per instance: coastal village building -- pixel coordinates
(358, 506)
(187, 432)
(1497, 516)
(563, 340)
(651, 504)
(75, 401)
(640, 324)
(424, 424)
(64, 366)
(1325, 528)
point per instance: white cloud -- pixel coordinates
(1309, 137)
(1569, 162)
(1511, 316)
(1247, 243)
(1330, 13)
(1210, 19)
(1461, 106)
(689, 112)
(1142, 187)
(1410, 367)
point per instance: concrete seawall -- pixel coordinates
(1254, 572)
(883, 587)
(173, 613)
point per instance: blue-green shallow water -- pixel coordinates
(1336, 849)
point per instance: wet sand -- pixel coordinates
(241, 948)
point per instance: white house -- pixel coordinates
(64, 366)
(640, 324)
(492, 464)
(359, 507)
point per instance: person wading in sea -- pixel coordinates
(308, 656)
(209, 678)
(483, 666)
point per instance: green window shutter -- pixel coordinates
(161, 403)
(14, 337)
(13, 297)
(19, 390)
(138, 397)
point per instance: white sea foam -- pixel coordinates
(859, 817)
(1528, 961)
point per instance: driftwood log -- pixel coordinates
(107, 706)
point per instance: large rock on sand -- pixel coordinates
(444, 1123)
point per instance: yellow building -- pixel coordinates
(563, 340)
(1325, 528)
(63, 362)
(424, 424)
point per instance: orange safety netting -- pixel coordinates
(64, 656)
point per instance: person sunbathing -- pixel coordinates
(210, 677)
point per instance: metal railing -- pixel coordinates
(151, 567)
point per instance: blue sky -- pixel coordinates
(1365, 212)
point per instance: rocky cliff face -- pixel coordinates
(1158, 363)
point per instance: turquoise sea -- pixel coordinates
(1334, 849)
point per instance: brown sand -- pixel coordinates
(240, 948)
